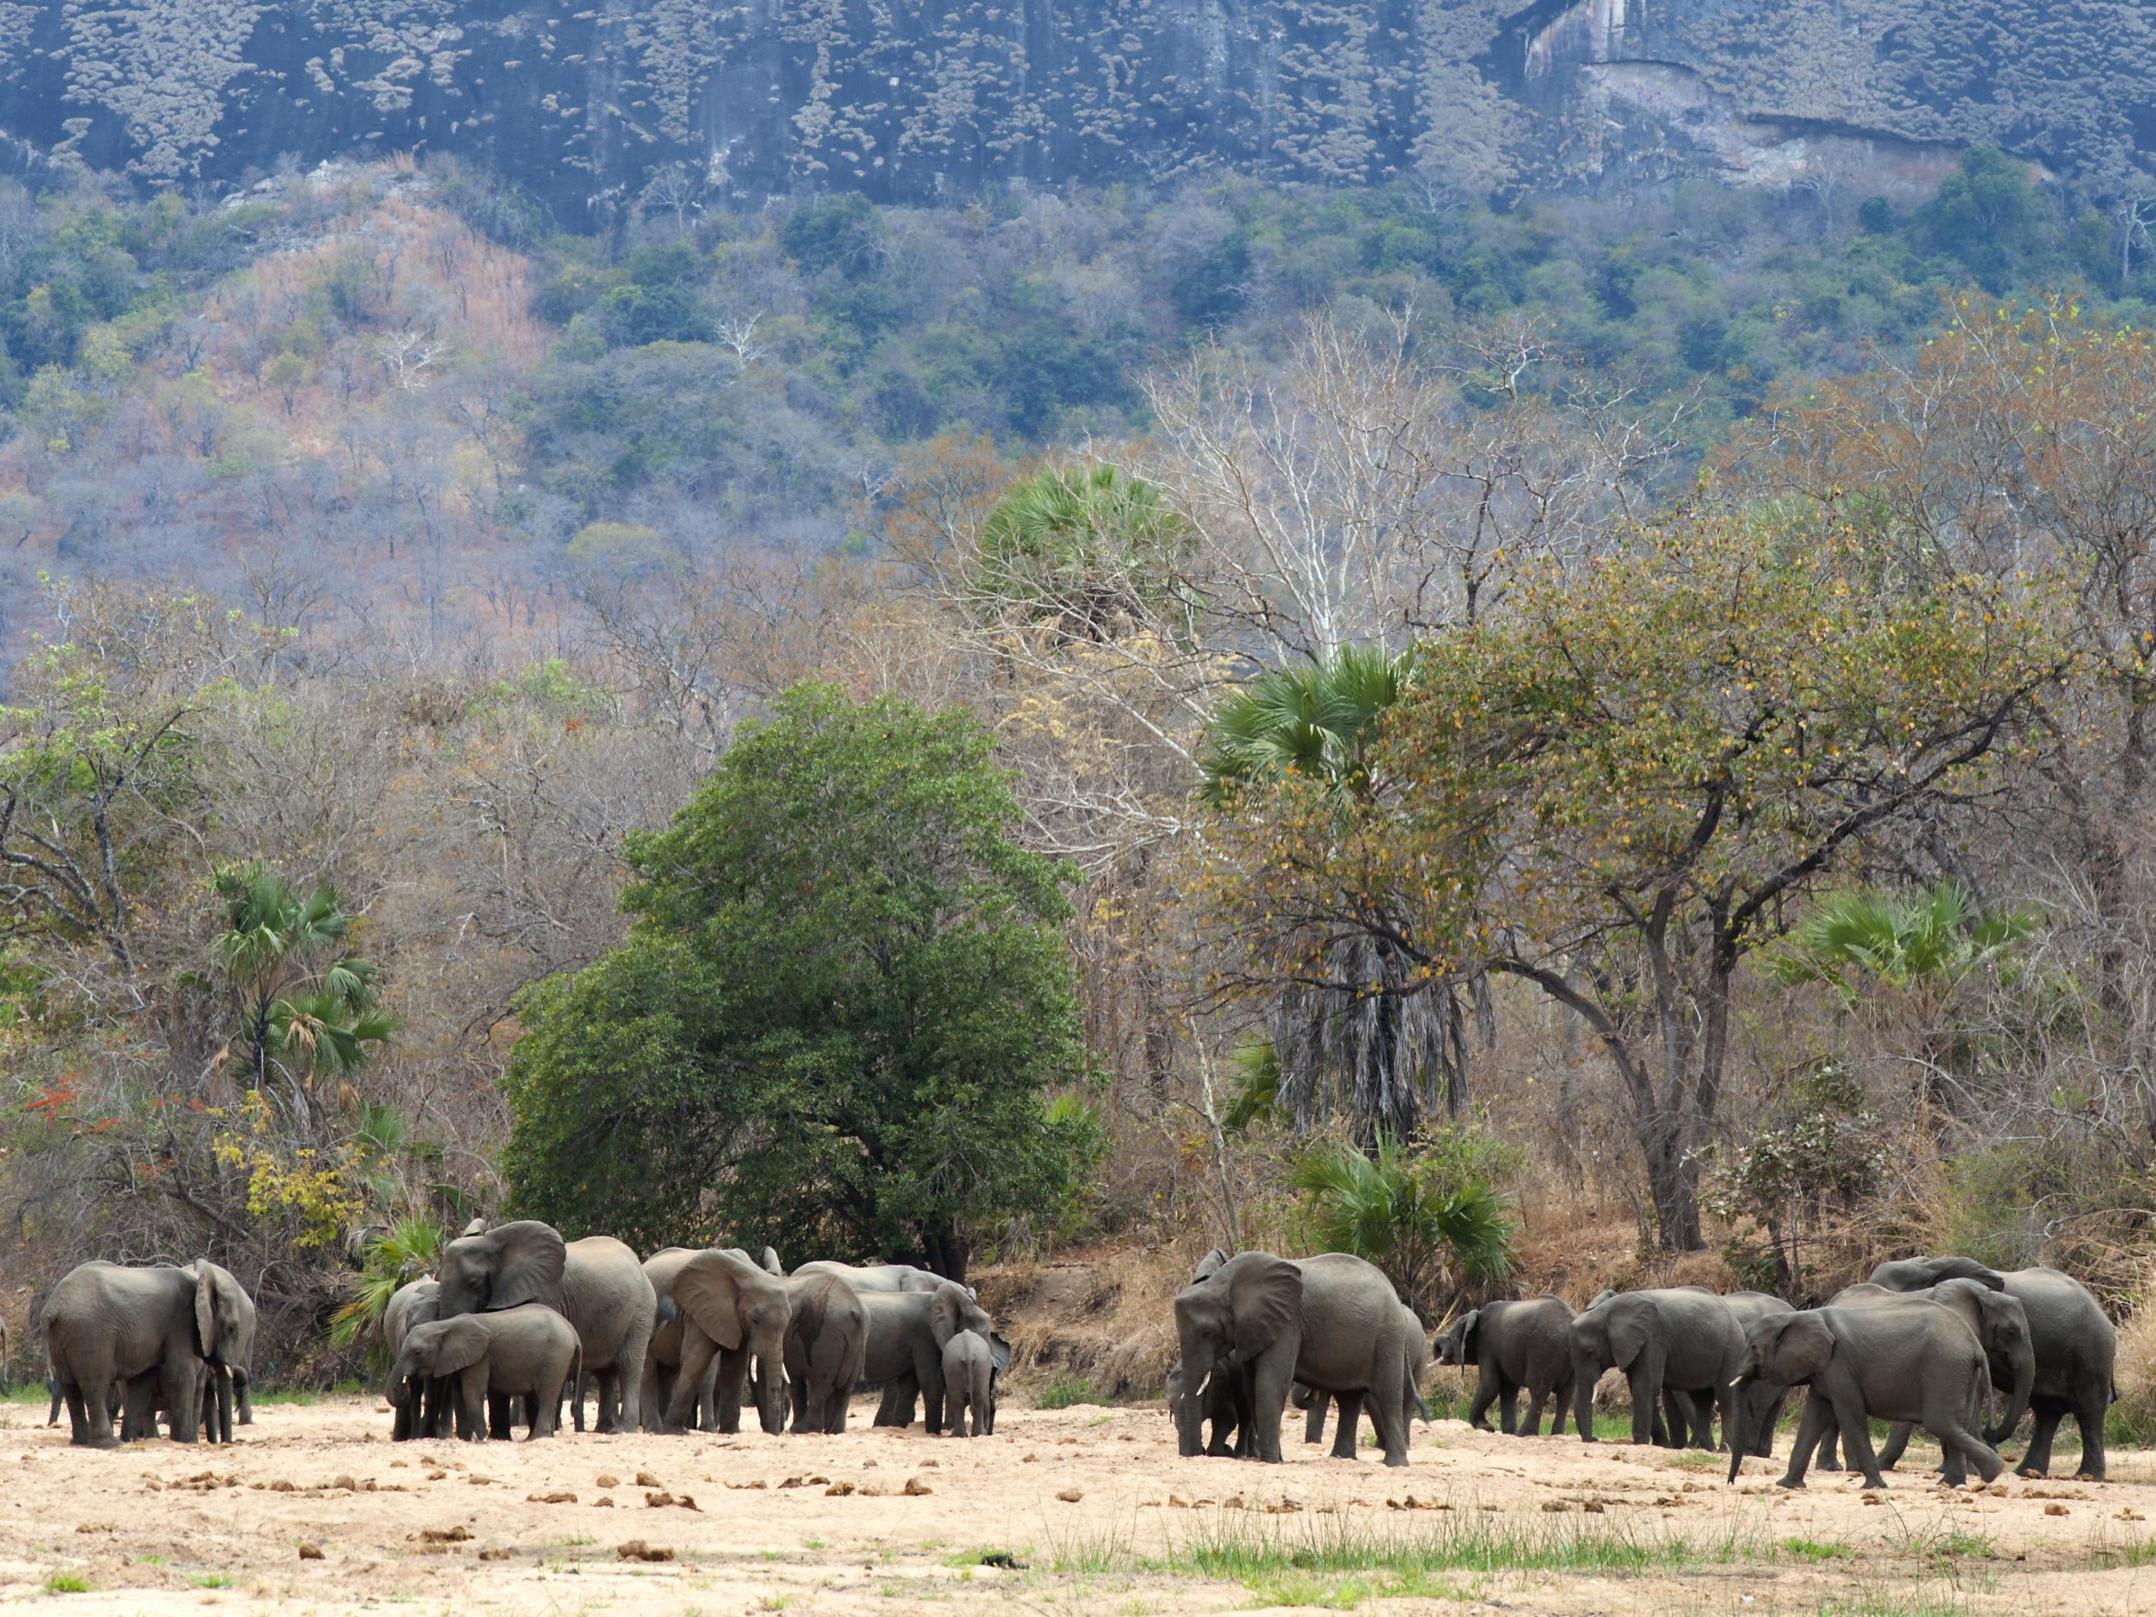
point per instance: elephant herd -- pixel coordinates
(517, 1319)
(1926, 1342)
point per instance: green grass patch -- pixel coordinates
(67, 1583)
(1812, 1549)
(1242, 1551)
(1327, 1593)
(1064, 1391)
(210, 1580)
(1009, 1560)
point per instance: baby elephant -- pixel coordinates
(969, 1382)
(529, 1352)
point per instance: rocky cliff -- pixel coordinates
(742, 99)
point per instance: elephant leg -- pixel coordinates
(1531, 1422)
(630, 1363)
(2036, 1461)
(500, 1421)
(472, 1411)
(221, 1376)
(1560, 1403)
(709, 1401)
(1897, 1444)
(1388, 1406)
(1771, 1417)
(1270, 1376)
(896, 1406)
(1963, 1447)
(89, 1406)
(177, 1382)
(1314, 1419)
(728, 1371)
(1350, 1418)
(1816, 1422)
(243, 1394)
(1645, 1380)
(1855, 1422)
(1508, 1411)
(404, 1417)
(1488, 1385)
(2091, 1406)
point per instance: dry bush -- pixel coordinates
(1104, 1316)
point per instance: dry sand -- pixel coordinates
(1091, 1504)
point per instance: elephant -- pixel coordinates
(1415, 1353)
(1225, 1400)
(1677, 1340)
(662, 1357)
(226, 1377)
(596, 1284)
(729, 1310)
(2001, 1327)
(969, 1383)
(906, 1335)
(1519, 1344)
(826, 1348)
(2075, 1345)
(427, 1413)
(1750, 1307)
(1330, 1322)
(1915, 1362)
(108, 1324)
(878, 1277)
(528, 1352)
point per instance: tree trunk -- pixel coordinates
(1672, 1180)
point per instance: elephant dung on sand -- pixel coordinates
(596, 1284)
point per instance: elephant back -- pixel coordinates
(607, 1296)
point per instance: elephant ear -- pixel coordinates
(708, 1291)
(946, 1312)
(1802, 1345)
(529, 1258)
(1629, 1329)
(1471, 1338)
(462, 1343)
(999, 1352)
(1212, 1261)
(772, 1266)
(426, 1303)
(1264, 1297)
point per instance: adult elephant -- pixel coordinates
(1750, 1307)
(2076, 1350)
(108, 1324)
(1515, 1344)
(225, 1386)
(1330, 1322)
(826, 1349)
(2001, 1327)
(1676, 1340)
(871, 1278)
(596, 1283)
(662, 1358)
(1899, 1361)
(907, 1331)
(727, 1310)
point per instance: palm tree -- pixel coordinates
(407, 1252)
(1430, 1218)
(1388, 1052)
(306, 1004)
(1089, 548)
(1920, 947)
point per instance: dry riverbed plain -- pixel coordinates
(1079, 1510)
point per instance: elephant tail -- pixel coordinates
(576, 1386)
(1422, 1409)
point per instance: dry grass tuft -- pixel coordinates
(1103, 1316)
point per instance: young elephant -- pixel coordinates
(1675, 1340)
(1415, 1362)
(528, 1352)
(1224, 1398)
(1520, 1344)
(1914, 1362)
(969, 1382)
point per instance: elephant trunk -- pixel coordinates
(2017, 1398)
(1750, 1396)
(1585, 1374)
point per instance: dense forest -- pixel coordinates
(1612, 723)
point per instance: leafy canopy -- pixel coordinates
(837, 1018)
(1429, 1215)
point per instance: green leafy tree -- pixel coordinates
(840, 1015)
(1430, 1216)
(1615, 788)
(306, 1002)
(407, 1252)
(1088, 549)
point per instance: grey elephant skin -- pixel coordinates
(826, 1350)
(106, 1325)
(426, 1413)
(1329, 1322)
(597, 1284)
(1912, 1361)
(906, 1335)
(529, 1352)
(1515, 1345)
(868, 1279)
(729, 1310)
(1415, 1356)
(1224, 1406)
(2001, 1328)
(2075, 1345)
(969, 1385)
(1677, 1340)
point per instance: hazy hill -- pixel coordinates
(917, 101)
